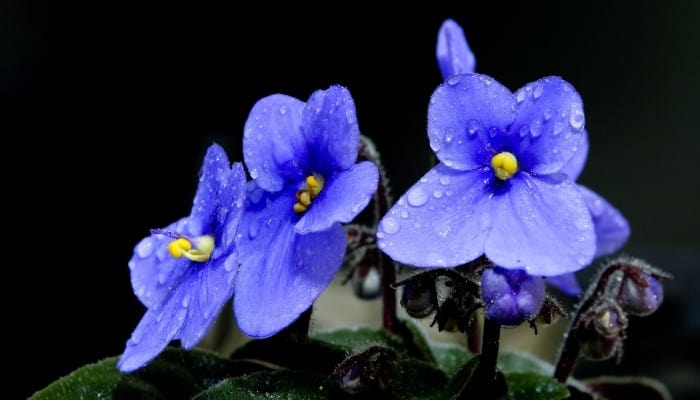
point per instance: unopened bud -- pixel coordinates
(641, 295)
(511, 296)
(419, 296)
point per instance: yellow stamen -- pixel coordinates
(305, 195)
(181, 247)
(505, 165)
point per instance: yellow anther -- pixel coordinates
(179, 246)
(182, 247)
(304, 196)
(505, 165)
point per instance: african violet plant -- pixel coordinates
(498, 217)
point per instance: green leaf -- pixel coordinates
(531, 386)
(358, 338)
(174, 374)
(287, 384)
(450, 357)
(96, 380)
(514, 361)
(414, 379)
(418, 342)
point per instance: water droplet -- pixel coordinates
(548, 113)
(449, 193)
(576, 119)
(186, 300)
(448, 163)
(520, 96)
(437, 194)
(380, 234)
(487, 81)
(254, 229)
(444, 180)
(524, 129)
(435, 144)
(283, 110)
(472, 126)
(537, 92)
(558, 128)
(230, 263)
(404, 214)
(493, 131)
(144, 248)
(417, 197)
(574, 148)
(423, 180)
(536, 129)
(390, 225)
(448, 138)
(581, 261)
(254, 173)
(566, 87)
(454, 79)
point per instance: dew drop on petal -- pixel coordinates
(186, 300)
(404, 214)
(144, 248)
(417, 197)
(453, 80)
(390, 225)
(524, 129)
(254, 229)
(437, 194)
(283, 110)
(444, 180)
(548, 113)
(472, 126)
(230, 264)
(558, 128)
(435, 144)
(537, 92)
(536, 129)
(576, 118)
(520, 96)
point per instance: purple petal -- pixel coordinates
(541, 224)
(611, 227)
(282, 272)
(209, 288)
(232, 200)
(157, 328)
(453, 53)
(273, 146)
(342, 198)
(154, 273)
(330, 129)
(216, 170)
(461, 116)
(566, 283)
(443, 220)
(574, 166)
(511, 297)
(551, 123)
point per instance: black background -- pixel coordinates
(108, 110)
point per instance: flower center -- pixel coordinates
(504, 165)
(200, 252)
(313, 186)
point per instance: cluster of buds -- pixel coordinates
(625, 287)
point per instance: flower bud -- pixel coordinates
(601, 331)
(640, 295)
(511, 296)
(419, 297)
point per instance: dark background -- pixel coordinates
(108, 110)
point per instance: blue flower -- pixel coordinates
(184, 273)
(498, 189)
(301, 157)
(511, 297)
(612, 230)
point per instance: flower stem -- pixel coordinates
(387, 268)
(489, 352)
